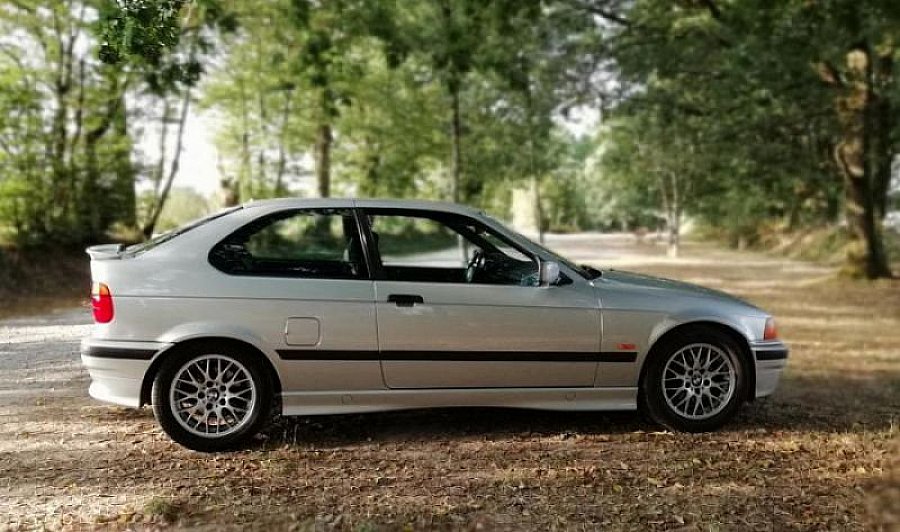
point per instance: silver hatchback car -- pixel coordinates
(336, 306)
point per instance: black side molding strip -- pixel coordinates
(458, 356)
(118, 352)
(771, 354)
(617, 356)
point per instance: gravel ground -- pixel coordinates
(39, 354)
(821, 454)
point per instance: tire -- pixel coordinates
(223, 413)
(706, 380)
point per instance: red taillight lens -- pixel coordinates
(101, 303)
(771, 332)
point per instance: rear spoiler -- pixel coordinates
(106, 251)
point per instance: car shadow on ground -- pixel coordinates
(827, 405)
(448, 424)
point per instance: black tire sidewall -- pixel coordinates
(653, 401)
(163, 411)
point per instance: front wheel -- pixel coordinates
(211, 397)
(695, 381)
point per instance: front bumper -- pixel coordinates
(771, 358)
(117, 369)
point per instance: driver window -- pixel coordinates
(407, 241)
(446, 248)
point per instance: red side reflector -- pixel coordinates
(101, 303)
(626, 347)
(771, 332)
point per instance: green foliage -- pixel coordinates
(378, 73)
(147, 35)
(750, 101)
(65, 169)
(744, 115)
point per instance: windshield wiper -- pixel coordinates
(592, 273)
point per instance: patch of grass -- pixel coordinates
(823, 244)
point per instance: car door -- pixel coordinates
(439, 329)
(304, 286)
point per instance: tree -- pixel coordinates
(329, 66)
(268, 117)
(71, 111)
(164, 43)
(533, 48)
(865, 90)
(743, 72)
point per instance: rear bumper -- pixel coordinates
(117, 369)
(771, 359)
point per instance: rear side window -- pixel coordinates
(303, 243)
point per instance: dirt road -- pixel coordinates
(821, 454)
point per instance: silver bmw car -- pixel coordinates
(333, 306)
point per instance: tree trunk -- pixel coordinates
(323, 160)
(456, 160)
(282, 139)
(80, 203)
(96, 215)
(59, 136)
(89, 211)
(160, 171)
(263, 130)
(866, 256)
(882, 122)
(124, 185)
(245, 176)
(668, 191)
(173, 168)
(456, 144)
(371, 185)
(674, 220)
(539, 209)
(532, 165)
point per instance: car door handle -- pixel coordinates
(405, 300)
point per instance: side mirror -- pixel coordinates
(549, 273)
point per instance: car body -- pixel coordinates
(344, 306)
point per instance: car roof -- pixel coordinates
(300, 203)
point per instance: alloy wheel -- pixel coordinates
(698, 381)
(212, 396)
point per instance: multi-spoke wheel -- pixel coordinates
(211, 397)
(694, 381)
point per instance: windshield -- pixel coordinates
(585, 271)
(169, 235)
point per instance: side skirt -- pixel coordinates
(356, 401)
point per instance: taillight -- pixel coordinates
(770, 332)
(101, 303)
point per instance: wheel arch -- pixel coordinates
(730, 331)
(150, 374)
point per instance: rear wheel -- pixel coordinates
(212, 397)
(695, 382)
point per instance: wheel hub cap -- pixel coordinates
(699, 381)
(212, 396)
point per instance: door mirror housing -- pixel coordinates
(549, 273)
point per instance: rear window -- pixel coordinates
(169, 235)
